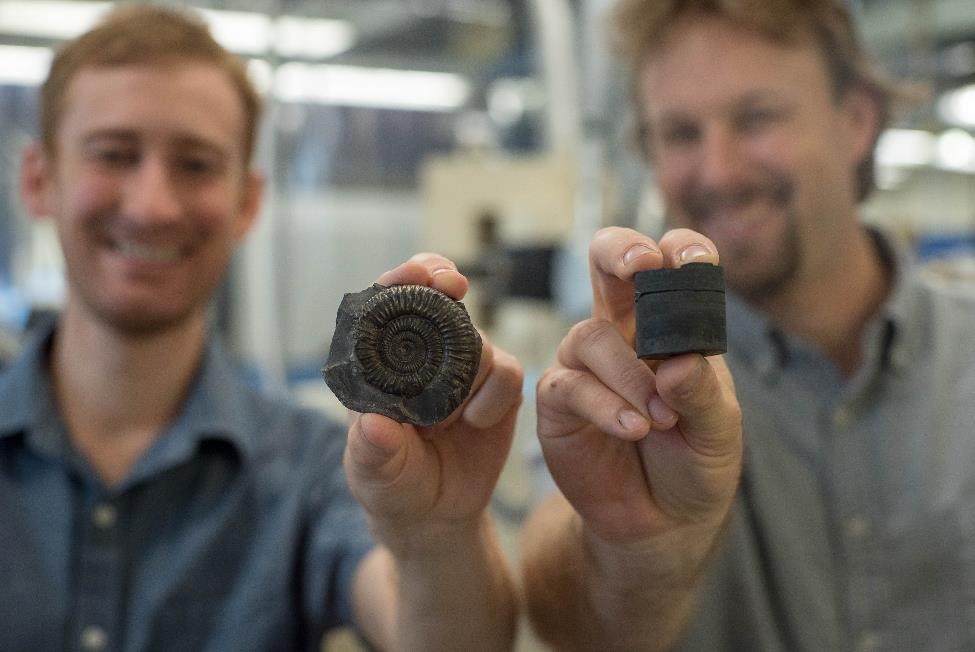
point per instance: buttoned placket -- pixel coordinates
(857, 498)
(99, 579)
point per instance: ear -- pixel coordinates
(863, 122)
(35, 179)
(252, 195)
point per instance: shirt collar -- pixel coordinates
(24, 389)
(896, 324)
(219, 403)
(216, 407)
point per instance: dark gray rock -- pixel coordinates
(408, 352)
(680, 311)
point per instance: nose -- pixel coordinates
(152, 195)
(721, 162)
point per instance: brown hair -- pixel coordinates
(639, 24)
(142, 34)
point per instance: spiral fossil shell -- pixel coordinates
(407, 351)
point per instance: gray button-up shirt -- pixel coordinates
(855, 525)
(235, 531)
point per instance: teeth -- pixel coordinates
(147, 253)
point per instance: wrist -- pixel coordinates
(441, 540)
(670, 561)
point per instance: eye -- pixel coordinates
(679, 134)
(194, 166)
(756, 119)
(198, 167)
(114, 156)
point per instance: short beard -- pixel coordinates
(778, 189)
(777, 279)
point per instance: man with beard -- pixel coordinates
(852, 525)
(150, 499)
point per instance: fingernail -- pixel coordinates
(441, 270)
(664, 418)
(636, 251)
(631, 420)
(694, 253)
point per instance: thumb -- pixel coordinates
(375, 449)
(389, 474)
(702, 392)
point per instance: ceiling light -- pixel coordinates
(509, 99)
(957, 107)
(296, 82)
(956, 151)
(24, 66)
(49, 18)
(370, 87)
(243, 32)
(312, 38)
(905, 148)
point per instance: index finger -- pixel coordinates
(430, 269)
(617, 253)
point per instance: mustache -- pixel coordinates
(700, 202)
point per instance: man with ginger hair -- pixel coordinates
(151, 500)
(851, 524)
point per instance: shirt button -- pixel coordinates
(103, 516)
(900, 358)
(93, 638)
(869, 642)
(841, 418)
(857, 527)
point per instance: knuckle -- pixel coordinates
(432, 258)
(602, 235)
(608, 234)
(692, 388)
(557, 381)
(511, 374)
(590, 333)
(635, 374)
(555, 406)
(548, 381)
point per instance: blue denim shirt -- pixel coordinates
(235, 531)
(855, 525)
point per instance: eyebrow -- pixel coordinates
(108, 134)
(184, 140)
(750, 98)
(199, 144)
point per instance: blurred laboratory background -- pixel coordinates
(496, 132)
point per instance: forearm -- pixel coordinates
(583, 594)
(456, 595)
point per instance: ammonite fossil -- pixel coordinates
(408, 352)
(680, 311)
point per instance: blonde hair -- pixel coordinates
(142, 34)
(638, 25)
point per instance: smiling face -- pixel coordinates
(752, 147)
(149, 188)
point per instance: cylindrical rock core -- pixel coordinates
(680, 311)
